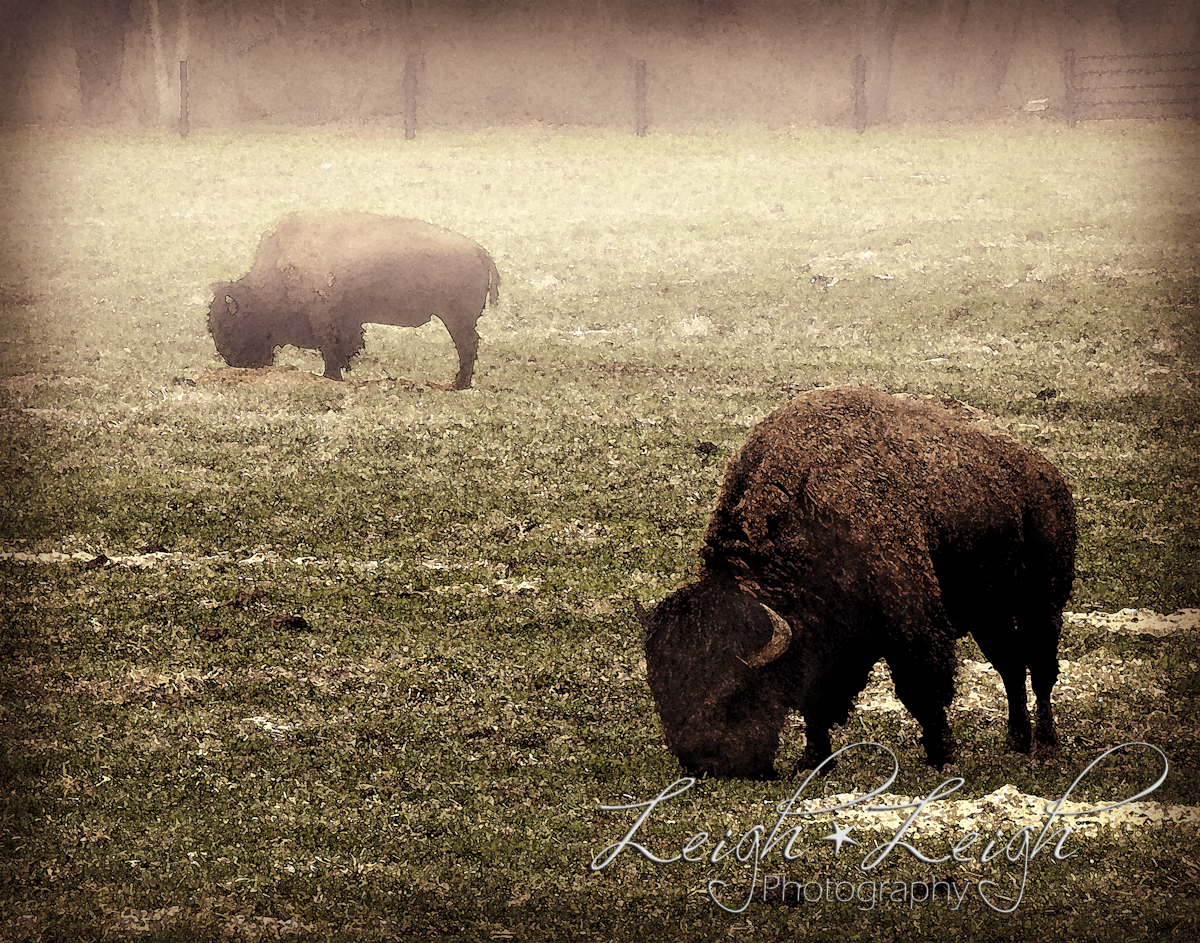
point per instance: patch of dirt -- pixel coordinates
(14, 415)
(956, 407)
(286, 375)
(289, 375)
(1139, 621)
(20, 685)
(27, 382)
(12, 296)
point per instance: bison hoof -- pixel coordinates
(1018, 743)
(940, 752)
(723, 769)
(759, 772)
(813, 762)
(1046, 748)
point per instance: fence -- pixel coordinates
(414, 67)
(1153, 85)
(1175, 95)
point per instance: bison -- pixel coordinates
(852, 526)
(319, 277)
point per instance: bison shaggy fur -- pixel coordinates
(319, 277)
(852, 526)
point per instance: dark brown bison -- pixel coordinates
(853, 526)
(319, 277)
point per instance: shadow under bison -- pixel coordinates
(319, 277)
(853, 526)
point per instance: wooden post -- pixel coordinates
(640, 98)
(1069, 104)
(411, 65)
(183, 102)
(860, 94)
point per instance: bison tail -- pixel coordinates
(493, 279)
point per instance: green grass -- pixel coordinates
(427, 755)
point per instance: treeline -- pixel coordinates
(478, 63)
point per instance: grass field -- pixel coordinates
(293, 659)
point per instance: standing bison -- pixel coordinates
(319, 277)
(853, 526)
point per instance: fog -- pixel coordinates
(484, 63)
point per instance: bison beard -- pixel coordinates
(318, 278)
(853, 526)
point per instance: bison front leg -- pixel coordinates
(924, 680)
(817, 747)
(337, 349)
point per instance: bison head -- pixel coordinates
(240, 340)
(710, 649)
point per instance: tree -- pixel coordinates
(99, 38)
(166, 75)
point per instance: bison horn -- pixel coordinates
(231, 306)
(781, 638)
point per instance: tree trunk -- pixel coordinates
(166, 74)
(182, 38)
(99, 37)
(162, 86)
(878, 52)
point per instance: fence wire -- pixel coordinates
(1173, 93)
(1139, 55)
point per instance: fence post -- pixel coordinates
(1069, 104)
(860, 94)
(183, 102)
(411, 65)
(640, 98)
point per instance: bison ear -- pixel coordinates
(781, 638)
(642, 615)
(231, 306)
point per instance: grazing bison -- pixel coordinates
(853, 526)
(319, 277)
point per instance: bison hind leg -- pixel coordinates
(466, 343)
(1045, 736)
(1043, 672)
(1028, 643)
(1012, 673)
(998, 640)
